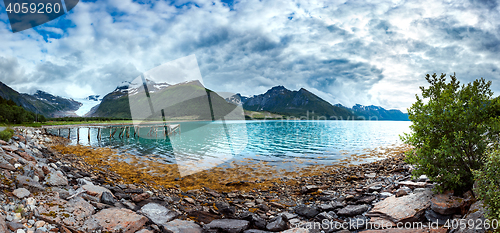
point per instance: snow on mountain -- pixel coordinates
(87, 104)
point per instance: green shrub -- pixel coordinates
(7, 134)
(488, 185)
(452, 131)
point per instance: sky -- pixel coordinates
(347, 52)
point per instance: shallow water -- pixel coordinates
(310, 142)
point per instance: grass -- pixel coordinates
(7, 134)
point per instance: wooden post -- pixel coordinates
(98, 133)
(59, 132)
(89, 136)
(77, 135)
(69, 132)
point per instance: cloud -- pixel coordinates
(344, 51)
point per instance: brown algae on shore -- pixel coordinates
(242, 176)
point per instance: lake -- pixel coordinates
(310, 142)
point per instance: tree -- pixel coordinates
(451, 132)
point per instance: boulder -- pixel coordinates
(115, 220)
(407, 208)
(255, 220)
(306, 211)
(4, 164)
(69, 213)
(278, 223)
(227, 225)
(475, 215)
(432, 216)
(157, 213)
(3, 224)
(21, 193)
(353, 210)
(446, 204)
(182, 226)
(28, 183)
(95, 189)
(56, 178)
(108, 198)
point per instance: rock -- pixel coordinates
(446, 204)
(68, 213)
(227, 225)
(366, 200)
(475, 215)
(384, 195)
(371, 175)
(310, 188)
(3, 224)
(353, 210)
(26, 156)
(278, 223)
(29, 183)
(144, 231)
(423, 178)
(401, 192)
(396, 230)
(225, 209)
(413, 184)
(328, 216)
(328, 206)
(157, 213)
(108, 198)
(21, 193)
(96, 189)
(432, 216)
(407, 208)
(296, 230)
(115, 220)
(4, 164)
(182, 226)
(255, 220)
(306, 211)
(140, 197)
(56, 178)
(358, 223)
(203, 216)
(14, 226)
(189, 200)
(255, 231)
(39, 224)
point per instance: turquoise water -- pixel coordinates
(274, 141)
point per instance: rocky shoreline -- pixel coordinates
(46, 191)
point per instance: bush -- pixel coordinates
(488, 184)
(452, 131)
(7, 134)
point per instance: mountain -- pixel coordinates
(180, 101)
(51, 105)
(41, 102)
(378, 113)
(301, 103)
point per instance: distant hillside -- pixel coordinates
(41, 102)
(52, 106)
(378, 113)
(301, 103)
